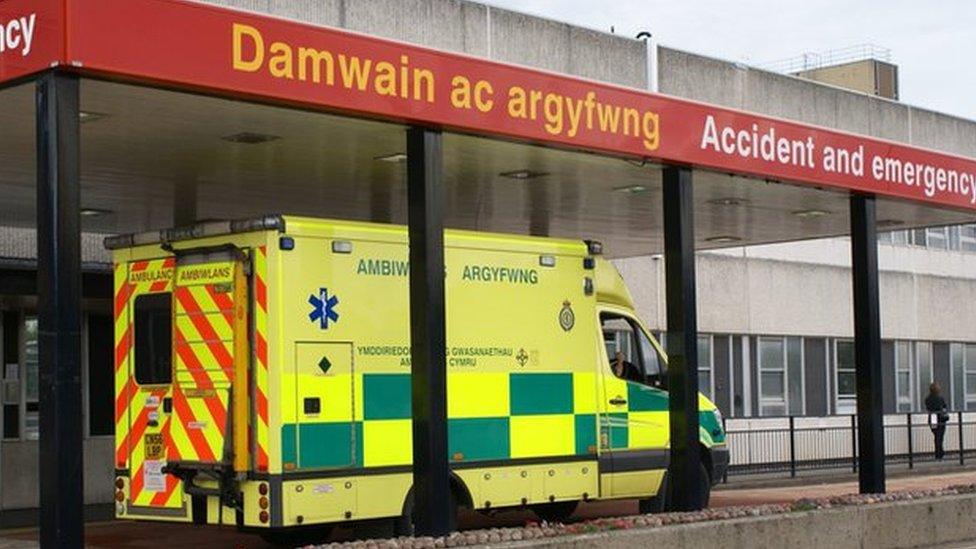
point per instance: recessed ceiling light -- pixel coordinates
(723, 239)
(393, 158)
(94, 212)
(728, 201)
(889, 222)
(632, 189)
(250, 138)
(811, 213)
(88, 116)
(523, 174)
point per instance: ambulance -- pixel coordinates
(262, 374)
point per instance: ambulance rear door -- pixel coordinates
(211, 359)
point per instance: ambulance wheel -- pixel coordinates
(294, 537)
(558, 511)
(658, 503)
(704, 485)
(404, 524)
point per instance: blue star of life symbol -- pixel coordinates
(323, 308)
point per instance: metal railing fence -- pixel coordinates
(794, 444)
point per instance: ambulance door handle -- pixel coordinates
(618, 401)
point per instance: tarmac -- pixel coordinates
(746, 491)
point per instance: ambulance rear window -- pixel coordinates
(153, 339)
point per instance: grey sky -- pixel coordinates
(932, 41)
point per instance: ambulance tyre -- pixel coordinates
(403, 525)
(556, 512)
(297, 536)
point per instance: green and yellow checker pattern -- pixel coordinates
(550, 414)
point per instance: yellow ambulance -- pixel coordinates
(262, 373)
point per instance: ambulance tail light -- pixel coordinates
(594, 247)
(547, 260)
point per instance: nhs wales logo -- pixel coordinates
(323, 308)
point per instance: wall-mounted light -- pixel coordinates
(94, 212)
(523, 174)
(88, 116)
(807, 214)
(723, 239)
(631, 189)
(392, 158)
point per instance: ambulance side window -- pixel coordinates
(153, 339)
(652, 363)
(623, 348)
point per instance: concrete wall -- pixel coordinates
(920, 523)
(476, 29)
(19, 472)
(745, 294)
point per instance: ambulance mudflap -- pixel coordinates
(188, 366)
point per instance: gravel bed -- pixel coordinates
(534, 530)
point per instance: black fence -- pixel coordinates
(793, 444)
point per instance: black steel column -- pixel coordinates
(867, 344)
(59, 310)
(679, 268)
(432, 502)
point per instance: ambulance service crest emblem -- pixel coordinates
(567, 319)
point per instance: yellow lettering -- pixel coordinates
(241, 64)
(553, 109)
(652, 131)
(280, 64)
(386, 81)
(481, 89)
(460, 92)
(317, 59)
(534, 97)
(423, 85)
(631, 122)
(516, 102)
(355, 73)
(609, 117)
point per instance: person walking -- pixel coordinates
(936, 405)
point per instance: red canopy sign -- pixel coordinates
(224, 51)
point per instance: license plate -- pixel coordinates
(153, 446)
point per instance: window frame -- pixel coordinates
(760, 368)
(710, 367)
(844, 400)
(901, 404)
(135, 340)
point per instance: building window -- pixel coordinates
(967, 238)
(846, 376)
(970, 383)
(794, 376)
(903, 376)
(31, 406)
(958, 379)
(772, 376)
(11, 375)
(101, 371)
(937, 238)
(963, 358)
(706, 382)
(153, 339)
(923, 369)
